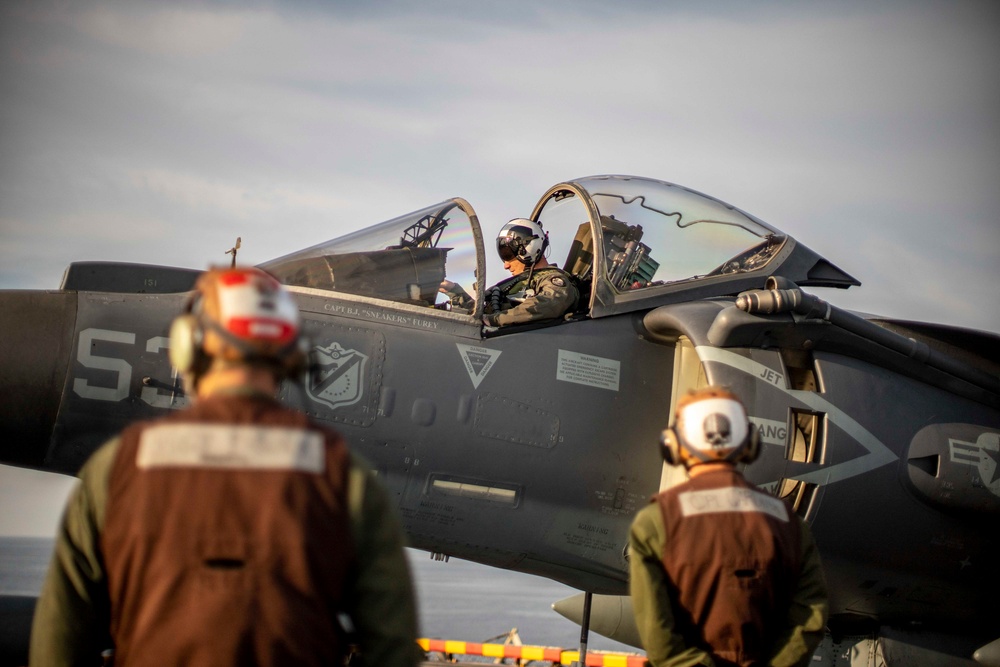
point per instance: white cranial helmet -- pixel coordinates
(523, 240)
(711, 425)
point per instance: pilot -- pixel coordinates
(721, 572)
(236, 531)
(536, 290)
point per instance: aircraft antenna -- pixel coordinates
(232, 251)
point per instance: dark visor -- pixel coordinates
(509, 245)
(504, 250)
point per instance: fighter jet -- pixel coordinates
(531, 447)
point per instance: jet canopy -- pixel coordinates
(404, 260)
(632, 243)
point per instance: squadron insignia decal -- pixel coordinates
(336, 379)
(478, 361)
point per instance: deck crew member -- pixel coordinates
(236, 531)
(721, 573)
(536, 290)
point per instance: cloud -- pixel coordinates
(190, 32)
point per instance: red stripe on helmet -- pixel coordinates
(232, 278)
(261, 328)
(236, 277)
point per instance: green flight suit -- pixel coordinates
(543, 294)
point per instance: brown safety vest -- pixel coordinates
(222, 563)
(733, 558)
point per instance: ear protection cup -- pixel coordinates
(752, 449)
(297, 364)
(670, 447)
(186, 337)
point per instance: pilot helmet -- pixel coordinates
(710, 425)
(238, 316)
(522, 239)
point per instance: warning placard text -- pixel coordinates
(589, 370)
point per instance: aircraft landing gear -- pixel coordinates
(585, 628)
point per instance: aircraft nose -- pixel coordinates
(36, 330)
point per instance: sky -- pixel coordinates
(159, 132)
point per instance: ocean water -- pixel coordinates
(457, 599)
(23, 561)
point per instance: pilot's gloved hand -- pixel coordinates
(457, 295)
(490, 322)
